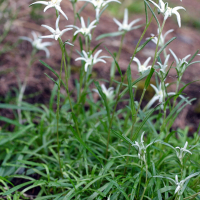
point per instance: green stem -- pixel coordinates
(67, 86)
(72, 47)
(23, 87)
(118, 56)
(154, 60)
(112, 117)
(57, 115)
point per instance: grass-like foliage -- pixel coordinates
(111, 148)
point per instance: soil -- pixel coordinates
(14, 64)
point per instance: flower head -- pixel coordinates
(180, 63)
(90, 59)
(37, 43)
(125, 26)
(144, 67)
(180, 152)
(179, 184)
(108, 92)
(50, 4)
(55, 33)
(84, 30)
(167, 11)
(99, 4)
(160, 95)
(164, 66)
(162, 37)
(142, 148)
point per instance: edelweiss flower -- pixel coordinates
(84, 30)
(182, 151)
(125, 26)
(180, 63)
(108, 92)
(50, 4)
(142, 68)
(167, 11)
(55, 33)
(162, 37)
(37, 43)
(160, 94)
(142, 148)
(99, 4)
(90, 60)
(179, 185)
(164, 66)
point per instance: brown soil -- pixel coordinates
(13, 65)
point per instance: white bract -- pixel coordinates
(84, 30)
(163, 67)
(167, 11)
(144, 67)
(160, 95)
(55, 33)
(162, 37)
(180, 63)
(179, 185)
(125, 26)
(50, 4)
(108, 92)
(142, 148)
(182, 151)
(37, 43)
(99, 4)
(90, 60)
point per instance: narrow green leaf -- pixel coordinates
(114, 34)
(147, 82)
(84, 144)
(93, 50)
(143, 45)
(103, 97)
(118, 187)
(166, 44)
(51, 79)
(153, 13)
(146, 13)
(10, 121)
(17, 188)
(116, 63)
(191, 59)
(134, 82)
(135, 136)
(129, 77)
(15, 135)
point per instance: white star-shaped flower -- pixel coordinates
(50, 4)
(180, 63)
(99, 4)
(37, 43)
(125, 26)
(84, 30)
(167, 11)
(90, 60)
(142, 148)
(179, 184)
(144, 67)
(162, 37)
(108, 92)
(55, 33)
(182, 151)
(160, 94)
(164, 66)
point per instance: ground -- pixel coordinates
(13, 64)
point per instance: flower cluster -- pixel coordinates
(167, 11)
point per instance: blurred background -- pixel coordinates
(18, 19)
